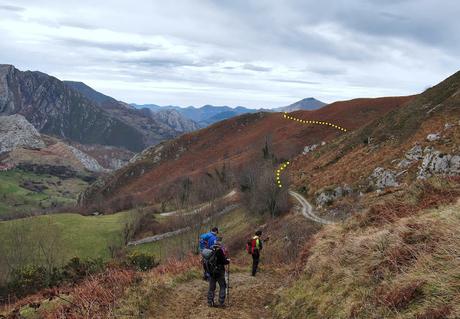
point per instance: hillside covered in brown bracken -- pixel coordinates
(235, 143)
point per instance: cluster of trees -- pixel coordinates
(257, 182)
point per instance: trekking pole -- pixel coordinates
(228, 285)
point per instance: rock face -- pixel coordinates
(176, 121)
(55, 108)
(382, 178)
(87, 161)
(307, 149)
(433, 137)
(16, 131)
(411, 156)
(327, 197)
(435, 162)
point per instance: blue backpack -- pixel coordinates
(207, 240)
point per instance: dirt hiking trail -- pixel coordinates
(250, 297)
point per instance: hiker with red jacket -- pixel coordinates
(215, 262)
(253, 247)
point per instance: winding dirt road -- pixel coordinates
(307, 209)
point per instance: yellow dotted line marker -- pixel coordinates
(284, 165)
(278, 172)
(287, 116)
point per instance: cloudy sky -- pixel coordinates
(261, 53)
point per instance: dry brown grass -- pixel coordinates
(406, 267)
(425, 195)
(399, 297)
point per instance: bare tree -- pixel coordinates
(261, 193)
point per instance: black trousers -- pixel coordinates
(212, 288)
(255, 261)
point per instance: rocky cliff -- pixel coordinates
(176, 121)
(16, 131)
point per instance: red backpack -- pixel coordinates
(251, 245)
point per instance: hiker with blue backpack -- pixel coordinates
(214, 261)
(207, 240)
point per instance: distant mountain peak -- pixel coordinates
(309, 103)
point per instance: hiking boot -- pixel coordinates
(211, 304)
(221, 305)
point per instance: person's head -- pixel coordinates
(259, 233)
(215, 230)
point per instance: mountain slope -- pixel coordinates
(396, 255)
(397, 143)
(175, 120)
(165, 119)
(236, 142)
(56, 109)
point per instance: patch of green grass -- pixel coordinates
(82, 236)
(15, 199)
(90, 236)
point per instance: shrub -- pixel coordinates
(28, 279)
(76, 269)
(32, 278)
(141, 261)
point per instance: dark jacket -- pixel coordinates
(221, 259)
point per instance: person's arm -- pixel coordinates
(221, 258)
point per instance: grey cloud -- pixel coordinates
(78, 24)
(7, 7)
(110, 46)
(295, 81)
(257, 68)
(327, 70)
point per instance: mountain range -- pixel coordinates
(210, 114)
(74, 111)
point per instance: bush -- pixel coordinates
(32, 278)
(28, 279)
(141, 261)
(76, 269)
